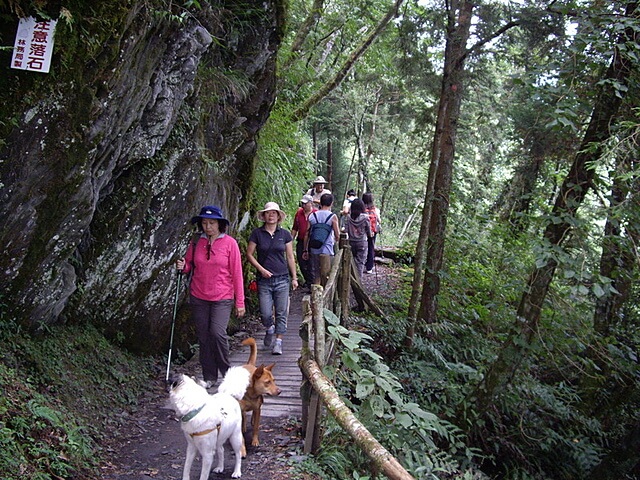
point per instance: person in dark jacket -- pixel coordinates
(358, 229)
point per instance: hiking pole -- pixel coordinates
(173, 322)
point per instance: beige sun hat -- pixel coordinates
(319, 179)
(271, 206)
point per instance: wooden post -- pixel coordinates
(305, 332)
(345, 285)
(318, 323)
(312, 438)
(325, 268)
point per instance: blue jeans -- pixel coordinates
(273, 294)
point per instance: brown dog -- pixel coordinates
(262, 382)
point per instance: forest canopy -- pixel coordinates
(500, 141)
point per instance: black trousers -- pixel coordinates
(305, 265)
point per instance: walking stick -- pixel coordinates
(173, 322)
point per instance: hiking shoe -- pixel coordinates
(207, 383)
(277, 348)
(268, 337)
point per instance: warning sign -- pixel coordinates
(34, 45)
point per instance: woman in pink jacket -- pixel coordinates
(217, 285)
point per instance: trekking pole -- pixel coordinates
(173, 322)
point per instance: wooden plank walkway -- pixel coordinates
(287, 373)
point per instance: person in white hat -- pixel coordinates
(270, 251)
(318, 190)
(299, 232)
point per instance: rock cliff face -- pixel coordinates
(147, 114)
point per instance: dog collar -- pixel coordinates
(189, 416)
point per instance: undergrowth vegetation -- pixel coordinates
(62, 393)
(556, 417)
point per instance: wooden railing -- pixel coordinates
(317, 390)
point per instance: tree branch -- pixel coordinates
(333, 83)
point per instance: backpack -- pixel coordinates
(373, 220)
(319, 232)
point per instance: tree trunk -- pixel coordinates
(618, 258)
(329, 178)
(572, 193)
(436, 205)
(516, 197)
(303, 32)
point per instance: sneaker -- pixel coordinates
(277, 347)
(268, 337)
(207, 383)
(369, 271)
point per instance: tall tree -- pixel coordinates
(332, 83)
(430, 247)
(620, 248)
(576, 184)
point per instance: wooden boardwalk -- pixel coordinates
(287, 373)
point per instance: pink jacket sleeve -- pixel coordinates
(235, 265)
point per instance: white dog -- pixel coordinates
(208, 421)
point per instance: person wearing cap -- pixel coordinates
(299, 233)
(346, 207)
(318, 190)
(270, 251)
(325, 253)
(214, 263)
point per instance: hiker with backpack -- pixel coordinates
(214, 265)
(324, 229)
(270, 251)
(374, 218)
(346, 207)
(358, 229)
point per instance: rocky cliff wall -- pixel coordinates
(147, 114)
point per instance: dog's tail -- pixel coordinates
(253, 354)
(235, 382)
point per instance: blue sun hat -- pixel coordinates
(209, 211)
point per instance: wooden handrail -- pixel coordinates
(318, 387)
(380, 456)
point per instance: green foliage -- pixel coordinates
(284, 165)
(60, 394)
(412, 434)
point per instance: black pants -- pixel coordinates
(371, 253)
(211, 320)
(305, 265)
